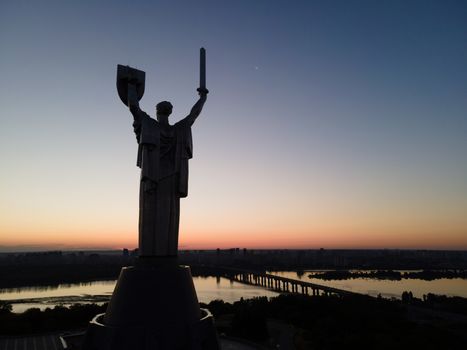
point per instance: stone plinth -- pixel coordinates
(154, 306)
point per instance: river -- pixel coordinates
(211, 288)
(387, 288)
(207, 289)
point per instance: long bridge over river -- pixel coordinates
(281, 284)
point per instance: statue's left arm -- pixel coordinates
(133, 103)
(138, 115)
(197, 107)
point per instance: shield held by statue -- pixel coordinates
(128, 75)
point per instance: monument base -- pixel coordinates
(154, 306)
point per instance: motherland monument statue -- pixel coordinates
(163, 154)
(154, 304)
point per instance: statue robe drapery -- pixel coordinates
(163, 154)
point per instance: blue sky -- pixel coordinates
(329, 123)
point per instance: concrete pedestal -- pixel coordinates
(154, 306)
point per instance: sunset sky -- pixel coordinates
(335, 124)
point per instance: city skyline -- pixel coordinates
(334, 125)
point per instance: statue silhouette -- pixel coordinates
(163, 154)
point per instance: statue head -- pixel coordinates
(164, 109)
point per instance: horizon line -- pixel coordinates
(44, 249)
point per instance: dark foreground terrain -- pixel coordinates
(319, 322)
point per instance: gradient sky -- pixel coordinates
(336, 124)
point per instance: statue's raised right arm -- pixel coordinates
(197, 107)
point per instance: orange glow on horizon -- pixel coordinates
(252, 240)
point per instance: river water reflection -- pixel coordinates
(207, 289)
(388, 288)
(211, 288)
